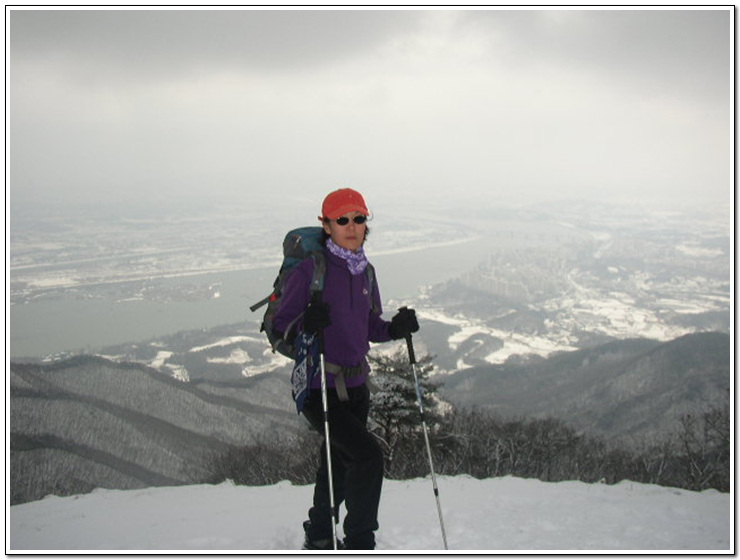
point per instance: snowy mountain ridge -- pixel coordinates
(68, 419)
(634, 391)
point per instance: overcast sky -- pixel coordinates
(119, 105)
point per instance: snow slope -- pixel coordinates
(504, 514)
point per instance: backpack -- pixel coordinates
(299, 244)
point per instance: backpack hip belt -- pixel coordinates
(340, 372)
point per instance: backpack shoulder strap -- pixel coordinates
(370, 273)
(319, 272)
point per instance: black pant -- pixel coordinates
(357, 466)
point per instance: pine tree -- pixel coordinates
(395, 410)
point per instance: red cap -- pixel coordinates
(341, 202)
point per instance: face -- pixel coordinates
(350, 236)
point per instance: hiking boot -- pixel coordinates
(363, 541)
(323, 543)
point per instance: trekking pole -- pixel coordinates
(412, 359)
(330, 472)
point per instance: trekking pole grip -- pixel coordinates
(316, 298)
(409, 342)
(410, 346)
(320, 338)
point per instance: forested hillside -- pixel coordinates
(633, 390)
(89, 422)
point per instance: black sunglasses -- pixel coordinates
(344, 220)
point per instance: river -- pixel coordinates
(71, 323)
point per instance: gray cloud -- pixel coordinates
(677, 52)
(139, 104)
(160, 44)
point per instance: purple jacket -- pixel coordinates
(353, 324)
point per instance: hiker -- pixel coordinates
(348, 317)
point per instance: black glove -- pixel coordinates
(403, 324)
(316, 317)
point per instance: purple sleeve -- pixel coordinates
(378, 328)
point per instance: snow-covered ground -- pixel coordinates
(505, 515)
(609, 316)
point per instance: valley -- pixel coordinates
(505, 283)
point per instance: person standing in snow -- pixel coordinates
(349, 318)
